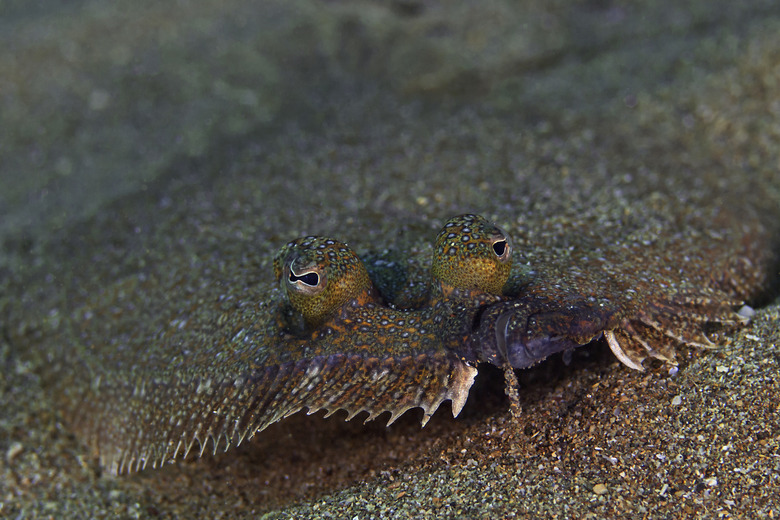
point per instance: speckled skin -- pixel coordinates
(659, 187)
(318, 276)
(329, 341)
(471, 274)
(471, 254)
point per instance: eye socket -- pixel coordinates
(311, 278)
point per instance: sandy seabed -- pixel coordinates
(138, 133)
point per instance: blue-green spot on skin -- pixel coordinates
(471, 254)
(318, 276)
(331, 338)
(326, 340)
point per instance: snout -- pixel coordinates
(526, 331)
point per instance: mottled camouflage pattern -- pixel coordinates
(237, 364)
(472, 253)
(318, 276)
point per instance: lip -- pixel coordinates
(527, 330)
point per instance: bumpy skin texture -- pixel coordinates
(329, 340)
(318, 276)
(473, 262)
(471, 254)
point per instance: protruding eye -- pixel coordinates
(318, 276)
(472, 254)
(311, 278)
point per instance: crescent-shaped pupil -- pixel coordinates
(499, 247)
(311, 278)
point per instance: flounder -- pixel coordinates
(335, 337)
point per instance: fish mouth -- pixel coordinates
(526, 331)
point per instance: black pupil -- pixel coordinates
(311, 279)
(500, 247)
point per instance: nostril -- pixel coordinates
(502, 331)
(477, 320)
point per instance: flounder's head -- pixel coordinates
(471, 254)
(473, 268)
(319, 276)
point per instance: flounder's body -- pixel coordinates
(331, 339)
